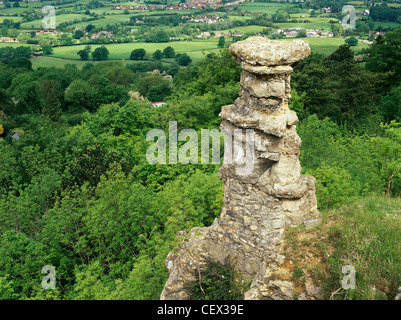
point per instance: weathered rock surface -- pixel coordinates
(262, 203)
(262, 51)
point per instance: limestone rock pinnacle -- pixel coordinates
(260, 205)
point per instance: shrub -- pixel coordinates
(219, 281)
(334, 185)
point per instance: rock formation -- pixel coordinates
(260, 205)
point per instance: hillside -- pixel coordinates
(104, 173)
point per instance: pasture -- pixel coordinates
(123, 50)
(195, 49)
(264, 7)
(315, 23)
(37, 24)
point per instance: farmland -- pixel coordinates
(122, 51)
(65, 55)
(130, 29)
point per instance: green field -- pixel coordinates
(246, 29)
(37, 24)
(60, 63)
(55, 62)
(327, 46)
(13, 44)
(15, 19)
(195, 49)
(387, 24)
(316, 23)
(239, 18)
(123, 50)
(24, 7)
(263, 7)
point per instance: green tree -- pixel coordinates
(222, 42)
(100, 53)
(22, 258)
(7, 54)
(157, 55)
(51, 100)
(351, 41)
(159, 36)
(78, 93)
(183, 59)
(47, 50)
(390, 108)
(343, 54)
(138, 54)
(385, 56)
(78, 34)
(90, 27)
(23, 52)
(169, 52)
(84, 53)
(146, 82)
(6, 102)
(21, 63)
(158, 93)
(25, 88)
(302, 33)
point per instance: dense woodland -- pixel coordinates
(77, 193)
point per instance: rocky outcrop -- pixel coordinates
(260, 204)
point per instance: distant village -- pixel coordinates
(193, 4)
(200, 4)
(293, 33)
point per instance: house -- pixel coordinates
(204, 35)
(326, 34)
(8, 39)
(291, 34)
(312, 34)
(326, 10)
(104, 33)
(376, 34)
(237, 34)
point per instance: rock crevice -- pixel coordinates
(261, 204)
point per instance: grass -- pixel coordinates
(37, 24)
(55, 62)
(108, 19)
(13, 44)
(15, 19)
(60, 63)
(368, 236)
(246, 29)
(365, 234)
(327, 46)
(239, 18)
(316, 23)
(195, 49)
(123, 50)
(263, 7)
(387, 24)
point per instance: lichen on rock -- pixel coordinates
(258, 206)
